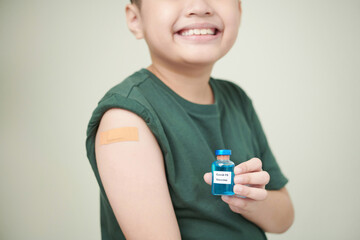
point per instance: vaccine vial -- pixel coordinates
(222, 173)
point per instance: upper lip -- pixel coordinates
(199, 26)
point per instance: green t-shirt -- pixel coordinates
(188, 135)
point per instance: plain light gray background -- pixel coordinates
(298, 60)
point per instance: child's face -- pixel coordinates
(189, 31)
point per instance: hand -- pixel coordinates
(249, 181)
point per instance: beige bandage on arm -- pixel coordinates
(122, 134)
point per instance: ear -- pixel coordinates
(133, 20)
(240, 11)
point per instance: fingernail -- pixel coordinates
(237, 188)
(237, 170)
(225, 197)
(240, 179)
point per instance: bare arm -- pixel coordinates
(274, 214)
(134, 179)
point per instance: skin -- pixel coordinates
(138, 198)
(271, 210)
(185, 65)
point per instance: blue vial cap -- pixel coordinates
(223, 152)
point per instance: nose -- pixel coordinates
(199, 8)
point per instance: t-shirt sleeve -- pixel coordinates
(113, 100)
(277, 178)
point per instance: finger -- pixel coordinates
(251, 165)
(256, 186)
(238, 205)
(258, 194)
(208, 178)
(256, 178)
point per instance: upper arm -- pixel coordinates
(133, 176)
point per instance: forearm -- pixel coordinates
(270, 210)
(274, 214)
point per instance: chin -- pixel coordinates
(201, 59)
(200, 63)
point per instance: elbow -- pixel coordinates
(283, 228)
(285, 223)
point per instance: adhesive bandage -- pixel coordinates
(123, 134)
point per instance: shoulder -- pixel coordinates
(128, 85)
(126, 101)
(113, 116)
(116, 121)
(231, 92)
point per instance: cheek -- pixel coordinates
(158, 27)
(232, 24)
(159, 18)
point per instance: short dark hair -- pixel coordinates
(136, 2)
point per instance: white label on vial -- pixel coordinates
(222, 177)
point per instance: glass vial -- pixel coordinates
(222, 173)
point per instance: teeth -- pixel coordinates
(191, 32)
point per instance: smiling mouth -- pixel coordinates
(198, 32)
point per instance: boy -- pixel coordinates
(151, 139)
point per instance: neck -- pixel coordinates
(191, 83)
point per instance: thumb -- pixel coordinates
(208, 178)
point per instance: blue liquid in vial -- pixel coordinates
(223, 189)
